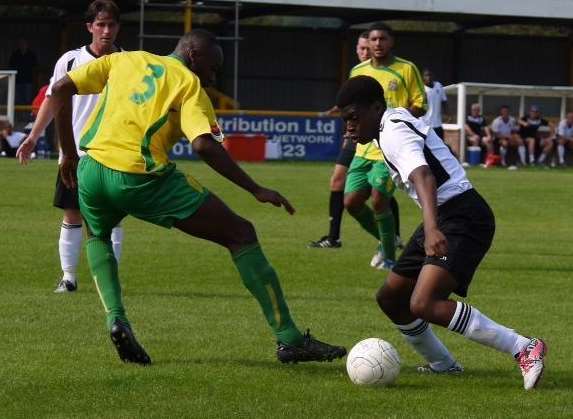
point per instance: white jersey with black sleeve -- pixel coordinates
(408, 143)
(83, 105)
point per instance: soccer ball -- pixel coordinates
(373, 361)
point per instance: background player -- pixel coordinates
(368, 175)
(437, 102)
(102, 22)
(444, 252)
(338, 178)
(148, 103)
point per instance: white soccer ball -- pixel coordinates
(373, 361)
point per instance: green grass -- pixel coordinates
(213, 353)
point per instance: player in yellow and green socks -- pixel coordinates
(149, 101)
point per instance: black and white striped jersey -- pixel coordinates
(83, 105)
(408, 143)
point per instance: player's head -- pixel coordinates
(362, 49)
(202, 53)
(504, 111)
(380, 40)
(361, 103)
(534, 112)
(102, 21)
(427, 76)
(569, 118)
(475, 109)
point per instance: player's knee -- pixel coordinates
(352, 204)
(337, 182)
(245, 234)
(420, 307)
(386, 301)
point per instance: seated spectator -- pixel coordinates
(477, 132)
(564, 137)
(529, 131)
(505, 129)
(10, 140)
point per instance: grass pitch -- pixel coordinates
(213, 353)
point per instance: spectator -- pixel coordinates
(10, 140)
(564, 137)
(437, 103)
(505, 129)
(477, 131)
(24, 61)
(529, 131)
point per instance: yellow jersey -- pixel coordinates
(147, 104)
(403, 87)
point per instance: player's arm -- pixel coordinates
(403, 147)
(416, 92)
(45, 114)
(424, 182)
(43, 119)
(213, 153)
(61, 105)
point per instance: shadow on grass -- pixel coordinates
(215, 295)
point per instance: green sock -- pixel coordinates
(366, 220)
(103, 267)
(261, 280)
(385, 223)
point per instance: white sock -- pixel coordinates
(541, 158)
(116, 240)
(521, 151)
(469, 322)
(70, 246)
(420, 336)
(503, 152)
(561, 153)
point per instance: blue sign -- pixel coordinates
(310, 138)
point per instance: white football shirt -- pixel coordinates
(564, 130)
(436, 96)
(408, 143)
(83, 105)
(504, 128)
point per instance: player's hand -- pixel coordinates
(24, 152)
(435, 243)
(68, 171)
(275, 198)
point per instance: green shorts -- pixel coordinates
(365, 174)
(106, 196)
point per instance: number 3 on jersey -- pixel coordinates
(149, 80)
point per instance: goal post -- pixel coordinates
(481, 90)
(7, 94)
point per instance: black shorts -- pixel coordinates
(65, 198)
(469, 225)
(346, 153)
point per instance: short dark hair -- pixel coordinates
(195, 38)
(98, 6)
(504, 107)
(381, 26)
(360, 90)
(364, 35)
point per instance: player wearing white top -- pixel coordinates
(102, 21)
(564, 137)
(437, 102)
(505, 129)
(444, 252)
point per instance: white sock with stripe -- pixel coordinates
(471, 323)
(420, 336)
(70, 246)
